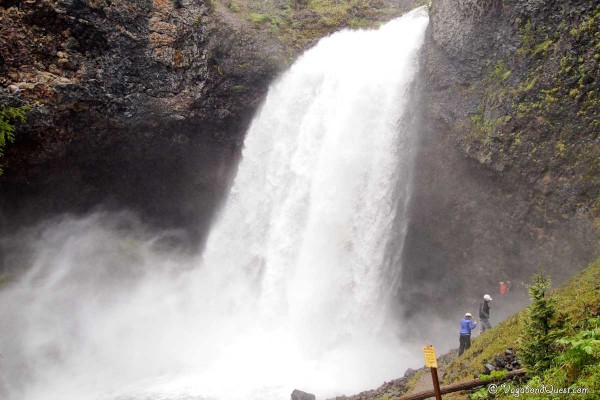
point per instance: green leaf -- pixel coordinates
(8, 117)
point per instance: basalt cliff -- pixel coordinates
(138, 104)
(507, 176)
(144, 104)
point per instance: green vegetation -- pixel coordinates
(483, 349)
(527, 39)
(218, 69)
(483, 392)
(8, 117)
(500, 72)
(573, 339)
(538, 348)
(298, 23)
(484, 124)
(493, 375)
(576, 366)
(3, 279)
(540, 106)
(274, 22)
(233, 6)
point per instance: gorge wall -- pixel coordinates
(507, 178)
(139, 104)
(143, 104)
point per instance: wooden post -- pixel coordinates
(431, 362)
(436, 384)
(458, 387)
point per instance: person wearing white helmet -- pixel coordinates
(484, 313)
(466, 326)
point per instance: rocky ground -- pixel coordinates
(413, 381)
(416, 381)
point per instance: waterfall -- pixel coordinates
(294, 286)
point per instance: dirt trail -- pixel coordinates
(425, 383)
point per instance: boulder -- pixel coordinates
(409, 373)
(300, 395)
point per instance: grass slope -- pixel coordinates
(578, 301)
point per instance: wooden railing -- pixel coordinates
(463, 386)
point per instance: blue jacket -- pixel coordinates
(466, 326)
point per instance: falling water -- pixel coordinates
(294, 284)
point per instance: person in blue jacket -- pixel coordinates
(466, 326)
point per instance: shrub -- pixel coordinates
(233, 6)
(8, 117)
(581, 350)
(541, 330)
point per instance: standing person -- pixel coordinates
(484, 313)
(503, 288)
(466, 326)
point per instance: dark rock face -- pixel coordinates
(502, 362)
(300, 395)
(507, 361)
(141, 104)
(507, 174)
(488, 368)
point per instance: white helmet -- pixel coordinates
(487, 297)
(468, 315)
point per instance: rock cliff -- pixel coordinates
(134, 103)
(507, 177)
(144, 104)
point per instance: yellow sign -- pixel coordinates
(430, 360)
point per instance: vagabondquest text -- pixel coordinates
(542, 389)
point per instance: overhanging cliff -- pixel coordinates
(138, 104)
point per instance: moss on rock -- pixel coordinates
(300, 23)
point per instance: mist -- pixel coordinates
(295, 285)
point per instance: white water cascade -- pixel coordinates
(294, 286)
